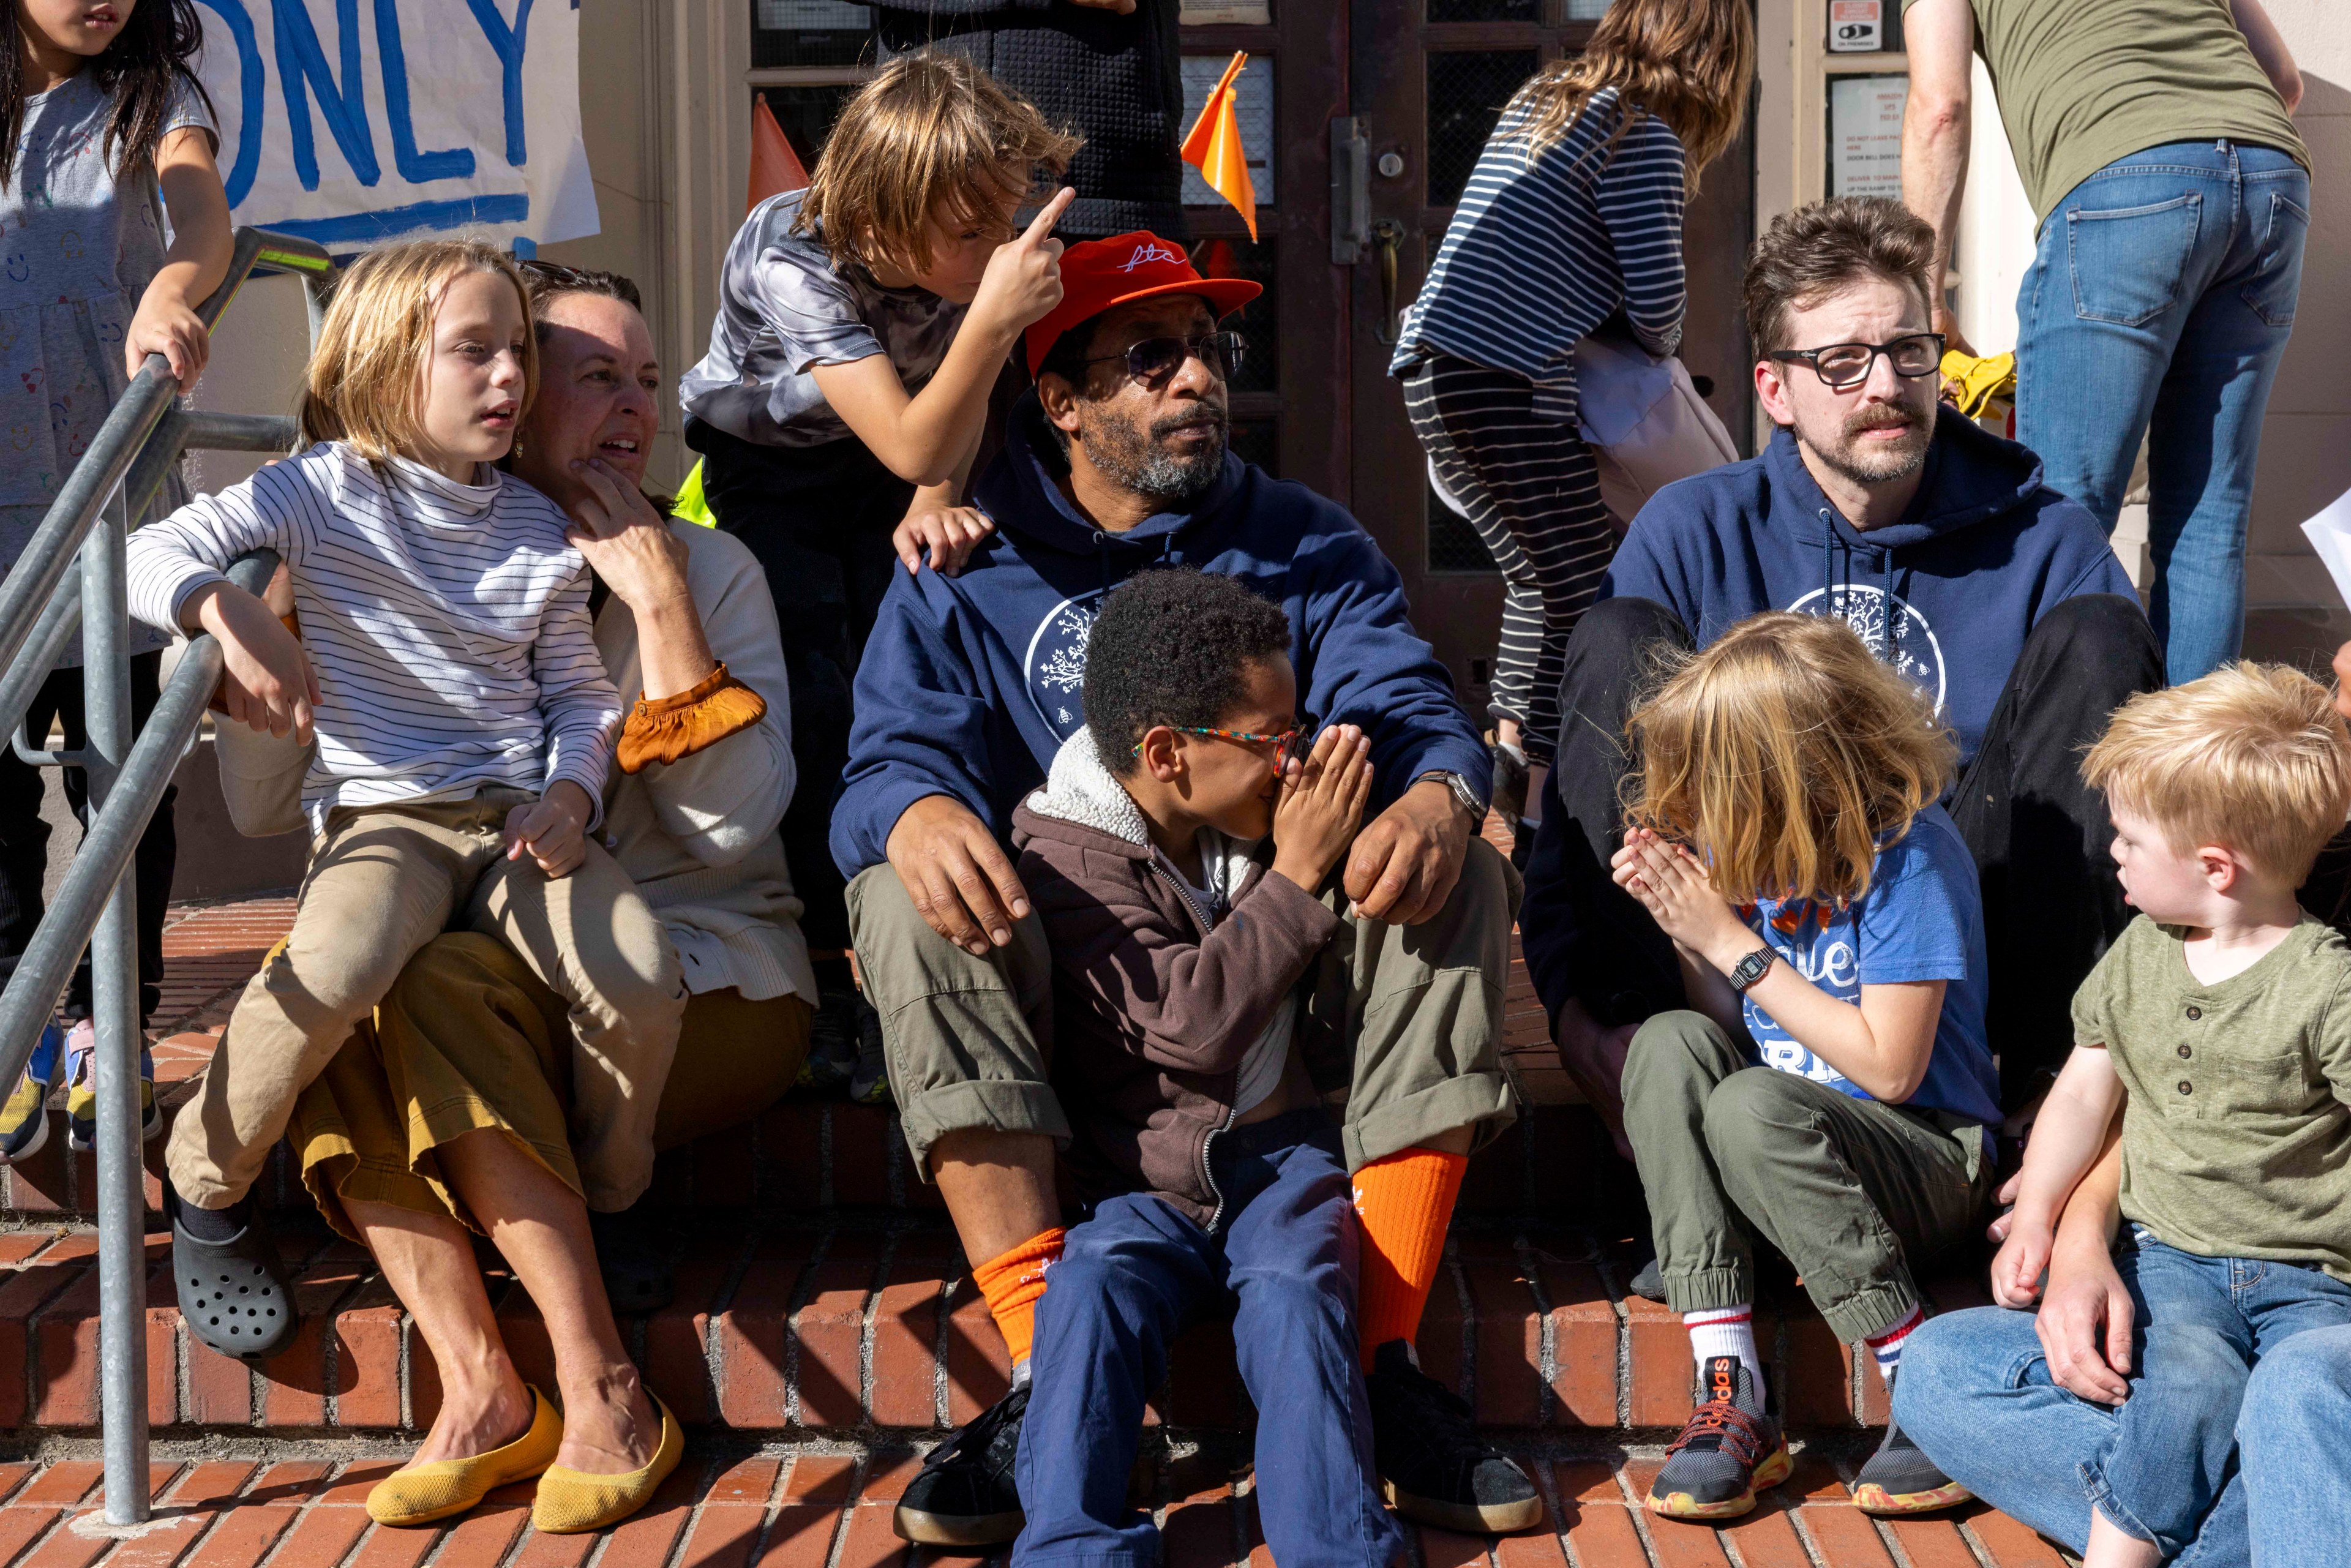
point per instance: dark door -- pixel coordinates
(1378, 109)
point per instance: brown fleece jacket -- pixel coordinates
(1153, 1008)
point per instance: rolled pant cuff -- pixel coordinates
(1479, 1100)
(987, 1104)
(1872, 1311)
(2101, 1499)
(1709, 1290)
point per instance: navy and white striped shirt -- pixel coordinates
(1542, 250)
(447, 624)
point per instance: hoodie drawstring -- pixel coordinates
(1889, 641)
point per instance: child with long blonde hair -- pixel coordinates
(1830, 1086)
(1572, 217)
(464, 727)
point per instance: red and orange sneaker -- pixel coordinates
(1731, 1448)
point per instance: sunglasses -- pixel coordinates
(1843, 365)
(1290, 745)
(1155, 360)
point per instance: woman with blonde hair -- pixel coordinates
(1572, 215)
(1830, 1087)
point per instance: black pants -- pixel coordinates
(819, 519)
(2040, 836)
(25, 837)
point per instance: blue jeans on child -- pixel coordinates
(1977, 1395)
(1284, 1255)
(2163, 289)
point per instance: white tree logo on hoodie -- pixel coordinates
(1916, 652)
(1056, 662)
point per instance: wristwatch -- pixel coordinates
(1462, 793)
(1751, 968)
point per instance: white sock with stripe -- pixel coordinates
(1887, 1347)
(1726, 1331)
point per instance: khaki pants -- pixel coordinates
(382, 883)
(1404, 1021)
(1853, 1192)
(470, 1039)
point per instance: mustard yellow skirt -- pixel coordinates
(470, 1039)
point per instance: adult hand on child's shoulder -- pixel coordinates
(946, 535)
(626, 542)
(956, 873)
(1320, 805)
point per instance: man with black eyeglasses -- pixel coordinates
(1118, 461)
(1941, 546)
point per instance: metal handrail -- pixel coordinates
(72, 575)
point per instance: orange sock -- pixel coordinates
(1013, 1282)
(1405, 1203)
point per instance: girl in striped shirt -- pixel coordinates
(1572, 215)
(464, 726)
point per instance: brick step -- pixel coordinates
(800, 1507)
(849, 1331)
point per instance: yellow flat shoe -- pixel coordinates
(444, 1487)
(571, 1501)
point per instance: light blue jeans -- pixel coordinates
(2290, 1438)
(1976, 1394)
(2161, 293)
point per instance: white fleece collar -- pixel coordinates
(1078, 788)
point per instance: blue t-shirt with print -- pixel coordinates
(1922, 919)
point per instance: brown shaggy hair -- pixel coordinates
(1785, 755)
(1812, 251)
(1689, 62)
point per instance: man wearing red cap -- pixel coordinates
(1116, 462)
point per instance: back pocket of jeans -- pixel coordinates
(2127, 264)
(2277, 276)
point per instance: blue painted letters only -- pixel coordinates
(509, 43)
(456, 163)
(299, 58)
(252, 92)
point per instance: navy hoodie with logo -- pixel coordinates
(968, 685)
(1983, 551)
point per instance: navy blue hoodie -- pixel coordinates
(1983, 551)
(969, 684)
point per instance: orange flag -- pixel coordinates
(1213, 147)
(774, 168)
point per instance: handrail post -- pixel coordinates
(114, 1013)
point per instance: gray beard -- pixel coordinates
(1136, 461)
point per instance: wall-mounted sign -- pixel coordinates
(1856, 26)
(417, 118)
(1225, 13)
(1865, 135)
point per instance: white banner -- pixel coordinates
(360, 123)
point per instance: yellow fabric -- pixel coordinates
(1213, 147)
(470, 1039)
(1403, 1203)
(1013, 1282)
(571, 1502)
(435, 1491)
(690, 503)
(665, 730)
(1979, 380)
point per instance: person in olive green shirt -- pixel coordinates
(2219, 1027)
(2171, 194)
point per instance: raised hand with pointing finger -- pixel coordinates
(1023, 280)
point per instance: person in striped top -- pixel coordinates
(1571, 224)
(464, 725)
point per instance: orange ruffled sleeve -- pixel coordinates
(668, 729)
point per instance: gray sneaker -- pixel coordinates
(1730, 1449)
(1900, 1479)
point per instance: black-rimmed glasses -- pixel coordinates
(1153, 360)
(1843, 365)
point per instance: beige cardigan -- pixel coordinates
(698, 835)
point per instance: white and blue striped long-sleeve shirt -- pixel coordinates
(447, 624)
(1542, 250)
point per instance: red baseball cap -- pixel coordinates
(1097, 274)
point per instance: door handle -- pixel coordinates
(1387, 234)
(1350, 190)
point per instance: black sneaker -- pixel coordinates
(1731, 1448)
(1436, 1468)
(1649, 1284)
(1508, 792)
(964, 1495)
(1900, 1479)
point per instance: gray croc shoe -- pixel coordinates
(234, 1294)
